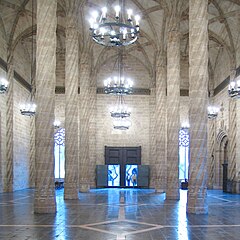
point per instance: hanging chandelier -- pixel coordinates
(118, 30)
(212, 112)
(118, 85)
(29, 108)
(56, 124)
(120, 110)
(234, 85)
(121, 123)
(3, 85)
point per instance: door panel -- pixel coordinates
(123, 156)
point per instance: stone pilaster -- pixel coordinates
(161, 163)
(173, 105)
(8, 173)
(71, 108)
(45, 98)
(84, 113)
(198, 96)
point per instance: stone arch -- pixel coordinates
(221, 156)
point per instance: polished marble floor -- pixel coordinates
(117, 214)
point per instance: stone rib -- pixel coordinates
(198, 95)
(8, 185)
(45, 99)
(161, 165)
(71, 114)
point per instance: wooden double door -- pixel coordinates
(124, 158)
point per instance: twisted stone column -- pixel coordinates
(198, 96)
(8, 178)
(84, 121)
(233, 127)
(173, 101)
(32, 152)
(152, 136)
(92, 134)
(161, 163)
(71, 110)
(211, 153)
(45, 98)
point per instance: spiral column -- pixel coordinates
(32, 152)
(44, 201)
(198, 96)
(232, 161)
(71, 110)
(161, 163)
(84, 171)
(173, 101)
(8, 177)
(211, 153)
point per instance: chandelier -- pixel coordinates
(120, 110)
(29, 109)
(118, 85)
(212, 112)
(3, 85)
(121, 123)
(234, 85)
(118, 30)
(56, 124)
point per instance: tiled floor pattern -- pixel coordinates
(117, 214)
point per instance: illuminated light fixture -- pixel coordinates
(121, 123)
(118, 85)
(3, 85)
(234, 85)
(212, 112)
(28, 109)
(120, 110)
(185, 126)
(119, 30)
(56, 124)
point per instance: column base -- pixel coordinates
(233, 186)
(41, 206)
(84, 188)
(197, 210)
(159, 190)
(70, 191)
(173, 194)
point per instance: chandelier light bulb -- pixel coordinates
(104, 13)
(117, 10)
(129, 14)
(137, 19)
(95, 15)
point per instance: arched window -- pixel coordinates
(59, 153)
(183, 153)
